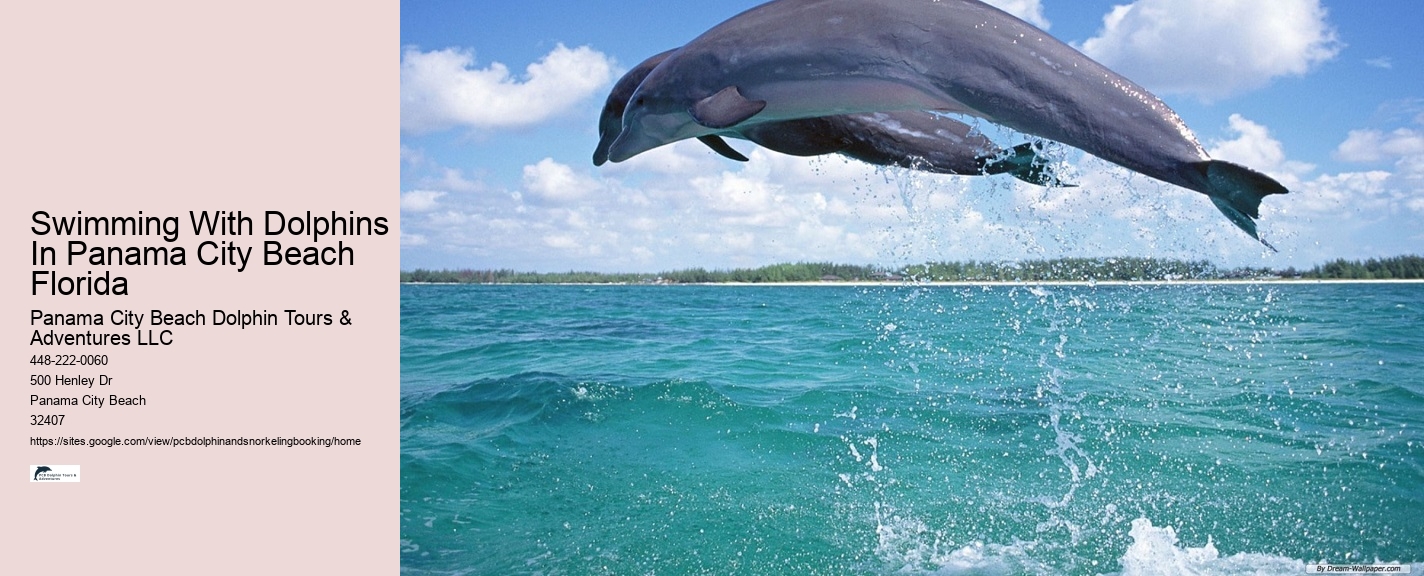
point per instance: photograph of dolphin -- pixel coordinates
(798, 59)
(913, 139)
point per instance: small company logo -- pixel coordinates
(54, 473)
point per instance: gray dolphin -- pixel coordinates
(906, 138)
(794, 59)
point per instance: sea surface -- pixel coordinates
(1058, 429)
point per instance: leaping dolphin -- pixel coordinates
(795, 59)
(906, 138)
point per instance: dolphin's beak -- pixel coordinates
(643, 131)
(605, 139)
(627, 146)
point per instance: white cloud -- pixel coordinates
(1377, 146)
(441, 89)
(1213, 48)
(556, 182)
(1030, 11)
(419, 200)
(411, 155)
(1255, 148)
(562, 242)
(1383, 62)
(1404, 147)
(1344, 193)
(455, 181)
(744, 194)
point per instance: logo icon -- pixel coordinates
(54, 473)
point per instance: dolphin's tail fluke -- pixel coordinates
(1237, 191)
(1024, 163)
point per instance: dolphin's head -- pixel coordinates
(647, 126)
(654, 116)
(657, 112)
(685, 96)
(610, 122)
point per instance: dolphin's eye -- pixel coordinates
(640, 101)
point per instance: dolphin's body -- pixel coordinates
(795, 59)
(906, 138)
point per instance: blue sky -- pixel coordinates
(500, 105)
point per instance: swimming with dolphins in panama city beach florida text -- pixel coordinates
(209, 252)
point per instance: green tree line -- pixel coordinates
(1060, 269)
(798, 272)
(1065, 269)
(1397, 268)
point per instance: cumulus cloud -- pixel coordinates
(1404, 147)
(442, 89)
(411, 155)
(556, 182)
(561, 242)
(1030, 11)
(1346, 192)
(419, 200)
(1377, 145)
(1213, 49)
(1254, 147)
(455, 181)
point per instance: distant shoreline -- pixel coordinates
(1058, 271)
(964, 283)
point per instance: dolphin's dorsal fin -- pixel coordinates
(720, 146)
(725, 109)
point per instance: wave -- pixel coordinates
(1154, 551)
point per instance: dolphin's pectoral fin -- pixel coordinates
(1237, 191)
(1024, 163)
(725, 109)
(720, 146)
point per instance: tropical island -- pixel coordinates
(1125, 269)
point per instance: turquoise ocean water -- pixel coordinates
(1183, 429)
